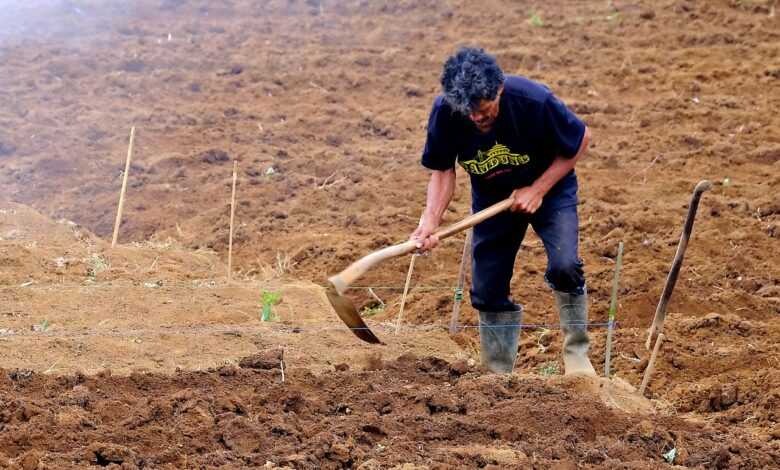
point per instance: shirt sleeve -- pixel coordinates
(439, 152)
(564, 130)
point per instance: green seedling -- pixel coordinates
(267, 301)
(536, 20)
(372, 310)
(549, 368)
(42, 326)
(95, 265)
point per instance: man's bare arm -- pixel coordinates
(528, 199)
(441, 187)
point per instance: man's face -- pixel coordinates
(485, 113)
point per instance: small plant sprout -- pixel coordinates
(371, 310)
(549, 368)
(42, 326)
(95, 265)
(267, 301)
(535, 19)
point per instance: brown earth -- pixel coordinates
(324, 106)
(421, 410)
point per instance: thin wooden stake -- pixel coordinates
(406, 286)
(232, 217)
(124, 189)
(651, 364)
(376, 297)
(613, 309)
(458, 298)
(281, 365)
(406, 291)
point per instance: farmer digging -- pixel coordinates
(513, 137)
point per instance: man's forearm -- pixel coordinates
(560, 167)
(440, 190)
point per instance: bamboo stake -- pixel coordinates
(406, 291)
(651, 364)
(232, 216)
(281, 365)
(376, 297)
(458, 299)
(613, 309)
(124, 189)
(406, 286)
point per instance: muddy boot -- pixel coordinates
(498, 336)
(574, 323)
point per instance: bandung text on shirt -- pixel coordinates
(497, 155)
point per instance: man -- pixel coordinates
(513, 137)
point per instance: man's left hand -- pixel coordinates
(527, 200)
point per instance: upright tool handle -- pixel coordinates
(353, 272)
(671, 280)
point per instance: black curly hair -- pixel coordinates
(469, 76)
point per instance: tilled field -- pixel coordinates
(324, 105)
(417, 412)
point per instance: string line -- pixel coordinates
(277, 327)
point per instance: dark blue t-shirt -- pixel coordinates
(532, 129)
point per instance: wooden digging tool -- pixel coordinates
(339, 283)
(660, 312)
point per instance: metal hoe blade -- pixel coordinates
(346, 310)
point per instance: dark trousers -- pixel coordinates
(495, 244)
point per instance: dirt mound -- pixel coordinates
(35, 249)
(419, 410)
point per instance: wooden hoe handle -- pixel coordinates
(674, 271)
(345, 278)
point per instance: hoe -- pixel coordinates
(339, 283)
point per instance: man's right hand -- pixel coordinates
(423, 236)
(440, 189)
